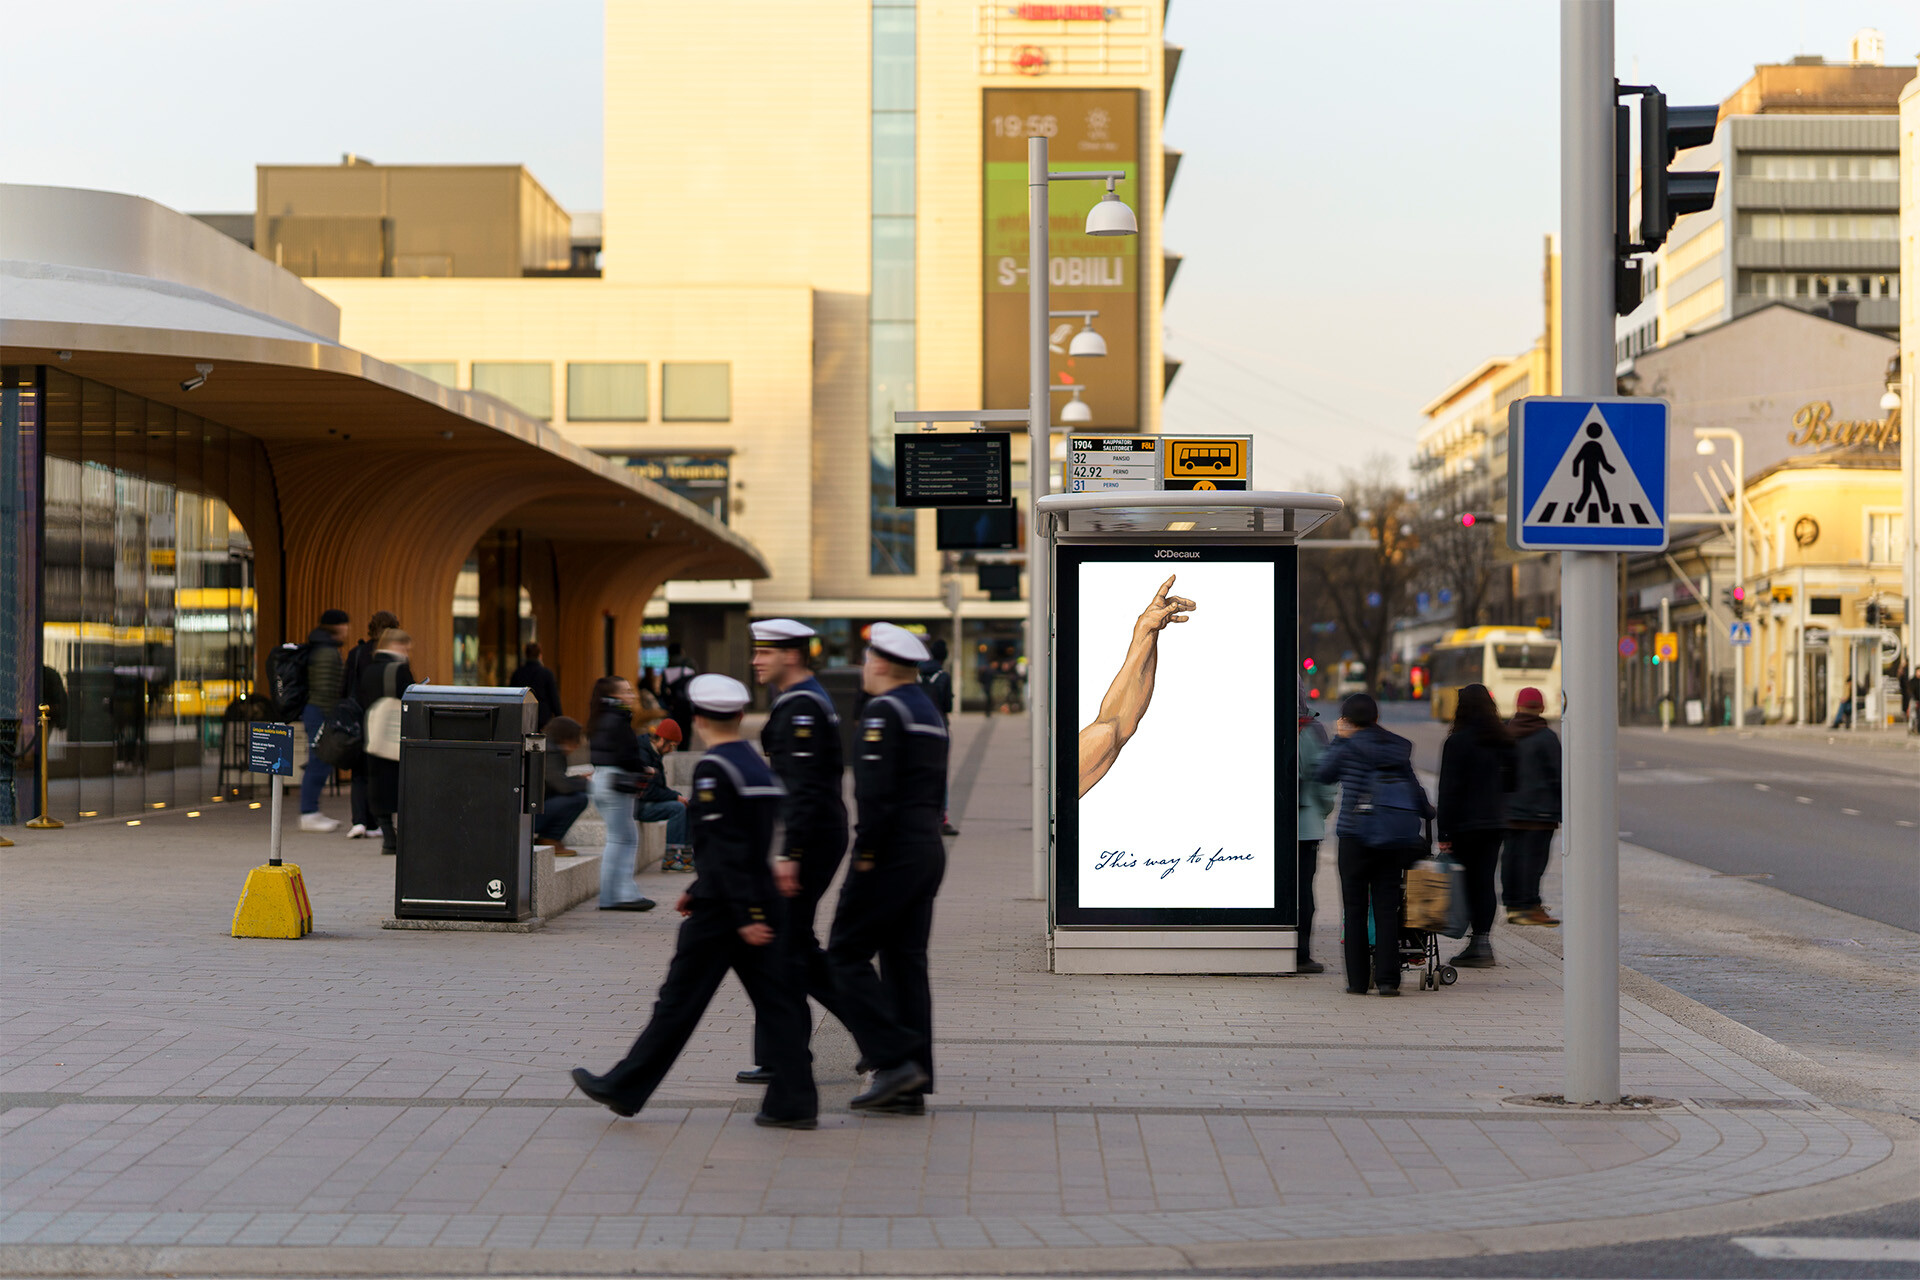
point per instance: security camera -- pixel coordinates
(199, 379)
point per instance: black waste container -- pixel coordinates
(843, 686)
(471, 779)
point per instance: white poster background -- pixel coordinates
(1197, 777)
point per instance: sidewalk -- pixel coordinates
(369, 1101)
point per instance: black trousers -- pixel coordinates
(709, 945)
(1478, 853)
(886, 911)
(806, 961)
(357, 793)
(1309, 863)
(1523, 861)
(1370, 877)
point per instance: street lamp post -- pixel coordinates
(1108, 217)
(1706, 436)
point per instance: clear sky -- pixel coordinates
(1362, 202)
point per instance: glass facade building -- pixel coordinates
(890, 332)
(134, 581)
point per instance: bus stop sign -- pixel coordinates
(1587, 474)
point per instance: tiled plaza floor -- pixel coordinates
(175, 1099)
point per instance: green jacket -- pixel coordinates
(1316, 797)
(326, 672)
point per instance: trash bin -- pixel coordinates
(471, 778)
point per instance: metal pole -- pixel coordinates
(273, 835)
(1740, 574)
(44, 821)
(1039, 459)
(1666, 668)
(1589, 586)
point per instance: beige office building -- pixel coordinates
(814, 217)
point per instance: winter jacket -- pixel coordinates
(1476, 773)
(533, 674)
(654, 790)
(559, 781)
(1353, 762)
(614, 743)
(383, 776)
(1316, 797)
(326, 674)
(1535, 801)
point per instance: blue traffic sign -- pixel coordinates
(1739, 634)
(270, 749)
(1587, 474)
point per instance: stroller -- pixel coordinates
(1420, 948)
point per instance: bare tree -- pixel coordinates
(1364, 590)
(1460, 557)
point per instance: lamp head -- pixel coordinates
(1111, 217)
(1087, 342)
(1705, 447)
(1076, 411)
(1890, 401)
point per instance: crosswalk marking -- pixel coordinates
(1831, 1248)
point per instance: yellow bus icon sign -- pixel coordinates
(1209, 459)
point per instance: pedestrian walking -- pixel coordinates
(1379, 796)
(802, 742)
(1533, 811)
(617, 779)
(566, 795)
(1476, 775)
(358, 657)
(1316, 800)
(382, 683)
(534, 674)
(326, 673)
(886, 901)
(656, 801)
(733, 916)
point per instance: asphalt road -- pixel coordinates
(1836, 825)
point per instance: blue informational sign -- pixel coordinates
(1587, 474)
(270, 749)
(1740, 634)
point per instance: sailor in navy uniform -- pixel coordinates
(733, 916)
(802, 742)
(886, 903)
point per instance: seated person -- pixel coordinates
(658, 802)
(566, 794)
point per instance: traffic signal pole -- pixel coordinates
(1589, 587)
(1039, 465)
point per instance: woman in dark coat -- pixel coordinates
(1476, 775)
(1362, 756)
(618, 776)
(378, 680)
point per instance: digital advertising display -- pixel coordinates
(1175, 769)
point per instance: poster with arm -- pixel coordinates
(1175, 753)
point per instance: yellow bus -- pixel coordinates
(1505, 659)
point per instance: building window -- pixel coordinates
(527, 385)
(696, 392)
(444, 372)
(890, 335)
(1820, 226)
(1793, 168)
(607, 392)
(1884, 530)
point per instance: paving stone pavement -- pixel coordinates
(166, 1088)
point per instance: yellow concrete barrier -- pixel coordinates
(273, 904)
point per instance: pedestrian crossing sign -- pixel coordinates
(1587, 474)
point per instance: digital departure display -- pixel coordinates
(953, 469)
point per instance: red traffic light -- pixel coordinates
(1313, 693)
(1739, 593)
(1307, 665)
(1467, 519)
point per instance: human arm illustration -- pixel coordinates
(1132, 689)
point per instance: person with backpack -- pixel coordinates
(1316, 800)
(1533, 811)
(358, 658)
(1382, 807)
(382, 683)
(1476, 774)
(325, 680)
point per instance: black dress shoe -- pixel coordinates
(1309, 966)
(638, 904)
(1389, 991)
(948, 829)
(754, 1075)
(907, 1104)
(766, 1121)
(595, 1087)
(890, 1084)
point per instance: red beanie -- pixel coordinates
(667, 731)
(1530, 697)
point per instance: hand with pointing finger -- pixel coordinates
(1131, 692)
(1164, 609)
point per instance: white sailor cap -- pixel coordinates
(782, 633)
(897, 644)
(717, 695)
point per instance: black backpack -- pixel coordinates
(287, 680)
(342, 740)
(939, 687)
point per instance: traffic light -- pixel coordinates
(1735, 598)
(1307, 666)
(1667, 195)
(1468, 519)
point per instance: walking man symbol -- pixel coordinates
(1587, 465)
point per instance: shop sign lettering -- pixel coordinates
(1814, 424)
